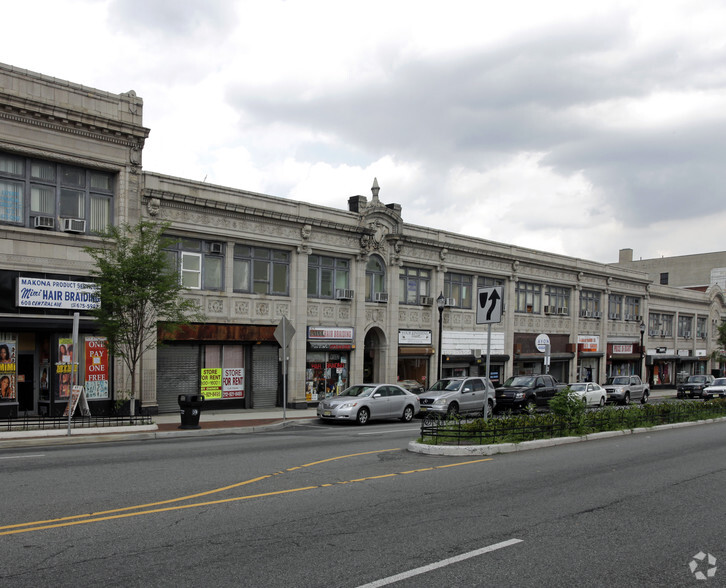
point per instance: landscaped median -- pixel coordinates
(568, 422)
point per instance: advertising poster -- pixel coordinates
(212, 383)
(233, 383)
(64, 367)
(8, 375)
(96, 356)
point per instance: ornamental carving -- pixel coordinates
(215, 305)
(241, 307)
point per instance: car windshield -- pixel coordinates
(619, 381)
(520, 381)
(359, 391)
(448, 385)
(578, 387)
(719, 382)
(697, 379)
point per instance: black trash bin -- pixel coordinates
(190, 407)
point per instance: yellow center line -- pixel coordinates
(99, 516)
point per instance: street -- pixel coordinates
(321, 504)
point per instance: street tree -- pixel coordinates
(138, 287)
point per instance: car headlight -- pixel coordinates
(520, 395)
(347, 404)
(439, 401)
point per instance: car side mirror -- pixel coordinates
(377, 395)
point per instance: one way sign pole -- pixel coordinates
(489, 304)
(284, 333)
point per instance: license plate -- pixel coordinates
(423, 409)
(326, 413)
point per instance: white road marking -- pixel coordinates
(440, 564)
(387, 431)
(22, 456)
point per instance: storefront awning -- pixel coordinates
(416, 351)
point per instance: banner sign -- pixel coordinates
(8, 375)
(331, 333)
(44, 293)
(96, 355)
(233, 383)
(212, 383)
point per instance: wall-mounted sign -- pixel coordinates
(622, 349)
(96, 356)
(42, 293)
(414, 337)
(331, 333)
(589, 343)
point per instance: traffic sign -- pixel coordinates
(284, 332)
(489, 304)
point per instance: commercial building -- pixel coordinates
(357, 285)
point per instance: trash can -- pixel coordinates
(190, 407)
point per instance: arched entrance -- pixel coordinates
(374, 353)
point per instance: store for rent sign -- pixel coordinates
(212, 383)
(233, 383)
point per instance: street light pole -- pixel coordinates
(640, 365)
(440, 303)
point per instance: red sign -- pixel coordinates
(96, 356)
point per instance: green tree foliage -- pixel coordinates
(138, 287)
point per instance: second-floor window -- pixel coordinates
(701, 328)
(615, 307)
(458, 287)
(558, 298)
(200, 263)
(326, 275)
(590, 303)
(660, 325)
(414, 283)
(375, 277)
(632, 308)
(528, 297)
(685, 327)
(261, 270)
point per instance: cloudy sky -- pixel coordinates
(567, 126)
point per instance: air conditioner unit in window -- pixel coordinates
(585, 313)
(44, 222)
(561, 310)
(380, 297)
(613, 316)
(74, 225)
(597, 314)
(687, 335)
(215, 248)
(549, 309)
(342, 294)
(426, 301)
(450, 302)
(638, 317)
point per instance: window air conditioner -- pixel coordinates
(549, 309)
(215, 248)
(44, 222)
(380, 297)
(450, 302)
(585, 313)
(426, 301)
(613, 316)
(687, 335)
(597, 314)
(561, 310)
(74, 225)
(342, 294)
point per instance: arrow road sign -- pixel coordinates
(489, 305)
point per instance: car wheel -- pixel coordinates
(644, 399)
(407, 416)
(489, 410)
(626, 400)
(601, 403)
(362, 417)
(453, 410)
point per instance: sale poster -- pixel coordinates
(8, 374)
(96, 361)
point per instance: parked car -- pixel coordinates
(364, 402)
(715, 390)
(459, 396)
(625, 389)
(412, 386)
(694, 386)
(520, 391)
(592, 394)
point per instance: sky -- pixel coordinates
(577, 128)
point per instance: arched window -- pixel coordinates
(375, 277)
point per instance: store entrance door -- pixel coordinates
(26, 384)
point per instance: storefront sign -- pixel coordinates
(411, 337)
(541, 342)
(43, 293)
(212, 383)
(684, 353)
(622, 349)
(588, 343)
(700, 353)
(329, 346)
(233, 383)
(96, 356)
(333, 333)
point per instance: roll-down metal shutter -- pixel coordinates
(264, 376)
(177, 372)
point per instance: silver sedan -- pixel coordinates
(364, 402)
(592, 394)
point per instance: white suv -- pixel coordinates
(458, 396)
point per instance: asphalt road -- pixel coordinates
(326, 505)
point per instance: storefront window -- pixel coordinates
(326, 374)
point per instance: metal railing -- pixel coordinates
(35, 423)
(457, 430)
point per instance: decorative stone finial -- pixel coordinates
(374, 190)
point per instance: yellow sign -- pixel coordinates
(212, 383)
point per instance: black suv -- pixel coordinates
(693, 387)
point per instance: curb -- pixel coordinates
(149, 432)
(416, 447)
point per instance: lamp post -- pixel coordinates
(440, 303)
(640, 365)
